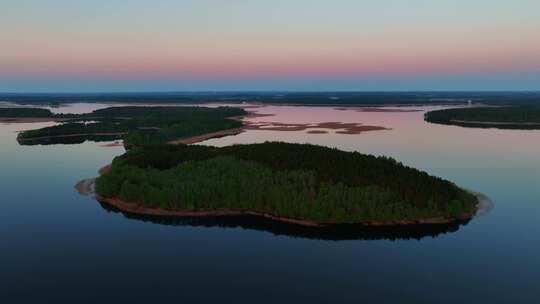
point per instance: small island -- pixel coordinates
(136, 125)
(294, 183)
(501, 117)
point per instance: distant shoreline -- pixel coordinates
(72, 135)
(30, 119)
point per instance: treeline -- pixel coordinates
(143, 125)
(291, 180)
(303, 98)
(24, 112)
(71, 129)
(516, 117)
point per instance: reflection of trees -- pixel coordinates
(331, 233)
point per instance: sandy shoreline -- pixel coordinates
(86, 186)
(199, 138)
(113, 144)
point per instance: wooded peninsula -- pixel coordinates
(506, 117)
(135, 125)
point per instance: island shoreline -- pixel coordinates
(138, 209)
(85, 187)
(17, 120)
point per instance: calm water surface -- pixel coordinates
(59, 247)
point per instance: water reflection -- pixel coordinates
(332, 233)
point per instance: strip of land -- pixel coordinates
(509, 117)
(30, 119)
(200, 138)
(22, 139)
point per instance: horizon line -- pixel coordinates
(262, 91)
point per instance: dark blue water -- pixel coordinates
(59, 247)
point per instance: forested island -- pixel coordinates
(293, 183)
(297, 183)
(135, 125)
(508, 117)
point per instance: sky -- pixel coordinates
(294, 45)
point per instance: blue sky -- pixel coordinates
(314, 45)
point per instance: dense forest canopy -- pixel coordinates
(136, 125)
(288, 180)
(515, 117)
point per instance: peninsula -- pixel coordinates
(136, 125)
(501, 117)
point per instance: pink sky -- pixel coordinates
(199, 41)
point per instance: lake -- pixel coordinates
(60, 247)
